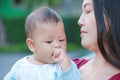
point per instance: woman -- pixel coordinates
(100, 29)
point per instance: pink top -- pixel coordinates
(81, 62)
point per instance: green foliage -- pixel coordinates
(15, 30)
(36, 3)
(8, 9)
(21, 47)
(73, 47)
(72, 29)
(53, 3)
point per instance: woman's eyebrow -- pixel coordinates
(87, 4)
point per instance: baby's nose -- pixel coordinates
(57, 45)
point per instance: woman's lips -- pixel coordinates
(82, 32)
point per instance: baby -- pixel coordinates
(46, 39)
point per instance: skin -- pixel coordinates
(88, 30)
(48, 44)
(97, 68)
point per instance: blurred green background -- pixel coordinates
(14, 12)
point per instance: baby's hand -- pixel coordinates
(58, 55)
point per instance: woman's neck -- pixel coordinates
(97, 60)
(98, 65)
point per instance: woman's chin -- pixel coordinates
(84, 45)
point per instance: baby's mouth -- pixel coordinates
(52, 52)
(55, 54)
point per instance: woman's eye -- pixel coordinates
(88, 12)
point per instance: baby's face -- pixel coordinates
(48, 37)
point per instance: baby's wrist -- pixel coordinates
(65, 64)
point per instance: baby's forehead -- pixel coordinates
(49, 27)
(48, 24)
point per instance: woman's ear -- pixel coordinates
(30, 44)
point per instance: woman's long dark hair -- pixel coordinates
(107, 14)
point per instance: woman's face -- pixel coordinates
(87, 21)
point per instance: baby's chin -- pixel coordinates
(50, 62)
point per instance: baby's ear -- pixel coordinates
(30, 44)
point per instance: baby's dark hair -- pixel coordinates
(40, 15)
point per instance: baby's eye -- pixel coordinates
(48, 41)
(62, 40)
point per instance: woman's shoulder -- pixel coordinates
(80, 62)
(115, 77)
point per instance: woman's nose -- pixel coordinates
(81, 21)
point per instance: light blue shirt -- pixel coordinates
(23, 70)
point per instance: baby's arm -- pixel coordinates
(59, 56)
(68, 67)
(72, 73)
